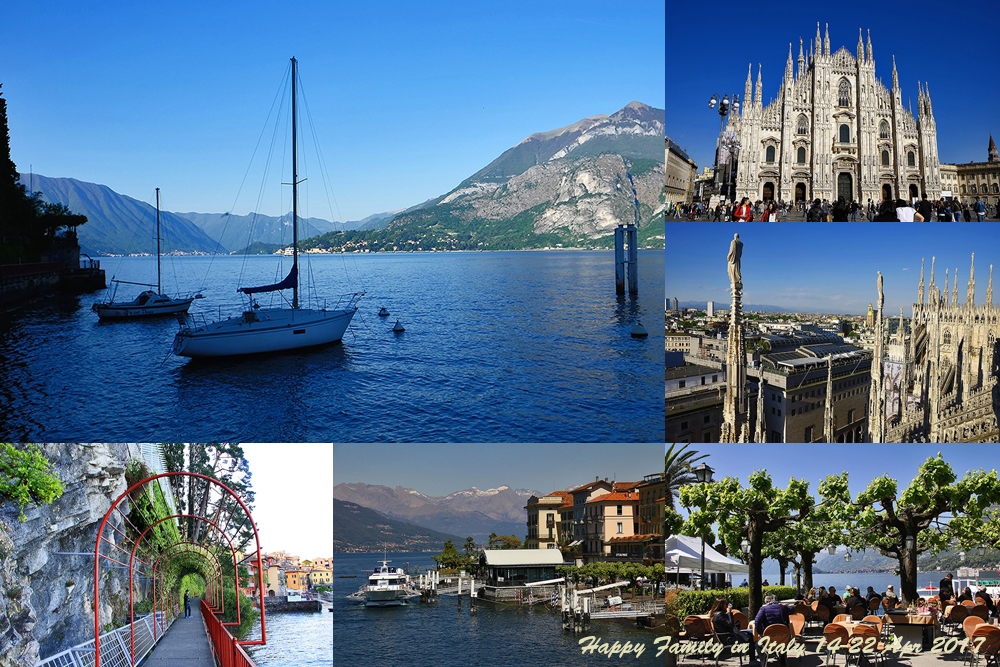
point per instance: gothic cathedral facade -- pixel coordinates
(835, 131)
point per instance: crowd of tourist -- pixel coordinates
(822, 210)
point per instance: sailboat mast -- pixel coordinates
(295, 196)
(159, 290)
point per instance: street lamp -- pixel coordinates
(981, 549)
(703, 473)
(745, 546)
(847, 557)
(911, 542)
(832, 549)
(724, 107)
(961, 556)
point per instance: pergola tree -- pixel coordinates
(934, 510)
(746, 513)
(800, 541)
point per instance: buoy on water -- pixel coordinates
(639, 331)
(383, 312)
(397, 327)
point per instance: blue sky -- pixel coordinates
(832, 267)
(710, 51)
(408, 99)
(438, 470)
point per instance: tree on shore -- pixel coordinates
(746, 513)
(936, 509)
(28, 225)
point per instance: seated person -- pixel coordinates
(827, 601)
(853, 600)
(988, 599)
(811, 596)
(890, 595)
(872, 595)
(832, 594)
(772, 612)
(727, 628)
(966, 595)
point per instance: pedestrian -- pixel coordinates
(854, 211)
(743, 212)
(187, 604)
(839, 212)
(925, 208)
(816, 213)
(980, 208)
(887, 212)
(906, 213)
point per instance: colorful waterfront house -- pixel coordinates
(581, 496)
(296, 580)
(544, 521)
(608, 516)
(516, 567)
(652, 499)
(323, 563)
(320, 577)
(274, 582)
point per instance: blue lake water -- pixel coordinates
(295, 640)
(445, 634)
(506, 346)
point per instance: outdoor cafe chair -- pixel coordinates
(980, 600)
(873, 605)
(857, 612)
(797, 621)
(777, 635)
(970, 624)
(887, 604)
(840, 618)
(872, 618)
(877, 651)
(696, 628)
(821, 614)
(741, 619)
(836, 631)
(981, 611)
(804, 609)
(988, 647)
(953, 618)
(968, 603)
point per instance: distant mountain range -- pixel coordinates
(118, 224)
(357, 528)
(567, 186)
(750, 307)
(468, 512)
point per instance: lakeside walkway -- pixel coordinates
(186, 643)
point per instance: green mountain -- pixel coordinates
(357, 528)
(117, 224)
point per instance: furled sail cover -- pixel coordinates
(287, 283)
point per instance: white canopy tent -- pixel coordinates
(683, 554)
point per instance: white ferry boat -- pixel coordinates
(387, 587)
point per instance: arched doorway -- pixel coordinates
(913, 192)
(800, 192)
(845, 186)
(768, 191)
(886, 192)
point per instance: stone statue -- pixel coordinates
(881, 297)
(735, 252)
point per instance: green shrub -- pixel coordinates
(699, 602)
(26, 475)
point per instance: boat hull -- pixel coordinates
(264, 330)
(123, 311)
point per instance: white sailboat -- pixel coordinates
(148, 302)
(259, 330)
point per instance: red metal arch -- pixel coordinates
(190, 548)
(132, 557)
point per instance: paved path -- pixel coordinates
(185, 643)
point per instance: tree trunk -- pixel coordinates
(807, 570)
(755, 538)
(908, 574)
(782, 565)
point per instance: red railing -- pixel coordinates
(227, 652)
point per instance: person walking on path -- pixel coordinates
(187, 605)
(980, 210)
(925, 208)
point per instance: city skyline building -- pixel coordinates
(835, 131)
